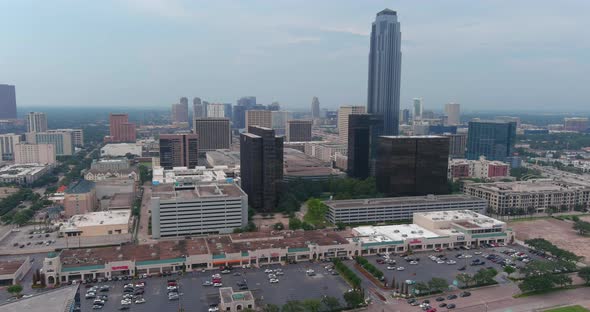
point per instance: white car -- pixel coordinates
(125, 302)
(468, 256)
(451, 262)
(391, 268)
(173, 296)
(272, 276)
(268, 271)
(414, 262)
(213, 309)
(400, 268)
(216, 276)
(207, 283)
(477, 252)
(171, 288)
(140, 300)
(217, 285)
(273, 280)
(440, 262)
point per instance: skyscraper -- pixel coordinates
(198, 110)
(279, 121)
(262, 118)
(457, 144)
(299, 130)
(180, 111)
(216, 110)
(412, 165)
(274, 106)
(239, 116)
(343, 113)
(453, 113)
(418, 108)
(179, 150)
(405, 116)
(247, 101)
(385, 60)
(7, 102)
(492, 139)
(363, 140)
(315, 108)
(261, 165)
(121, 130)
(214, 133)
(36, 122)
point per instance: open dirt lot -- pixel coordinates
(556, 231)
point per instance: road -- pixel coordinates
(142, 234)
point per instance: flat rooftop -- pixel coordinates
(464, 218)
(399, 201)
(414, 137)
(537, 186)
(59, 299)
(389, 233)
(11, 266)
(224, 157)
(21, 170)
(188, 192)
(228, 295)
(190, 175)
(100, 218)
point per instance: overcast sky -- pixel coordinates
(532, 54)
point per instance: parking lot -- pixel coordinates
(295, 284)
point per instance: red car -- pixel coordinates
(380, 261)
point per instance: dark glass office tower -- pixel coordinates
(261, 165)
(492, 139)
(363, 140)
(179, 150)
(412, 166)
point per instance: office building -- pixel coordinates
(228, 111)
(299, 130)
(492, 139)
(343, 113)
(36, 122)
(392, 209)
(274, 106)
(7, 102)
(453, 113)
(413, 165)
(315, 108)
(80, 198)
(214, 133)
(179, 150)
(64, 145)
(198, 110)
(121, 130)
(300, 166)
(260, 118)
(457, 144)
(325, 151)
(7, 143)
(22, 174)
(181, 210)
(363, 140)
(34, 153)
(239, 116)
(179, 112)
(385, 62)
(576, 124)
(532, 196)
(405, 116)
(418, 108)
(279, 121)
(216, 110)
(77, 135)
(247, 101)
(261, 165)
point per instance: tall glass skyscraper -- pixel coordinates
(385, 61)
(492, 139)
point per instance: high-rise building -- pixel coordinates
(261, 165)
(34, 153)
(457, 144)
(417, 108)
(228, 111)
(121, 130)
(261, 118)
(315, 108)
(7, 102)
(77, 135)
(179, 150)
(405, 116)
(8, 142)
(198, 110)
(453, 113)
(214, 133)
(36, 122)
(492, 139)
(184, 101)
(363, 140)
(343, 113)
(412, 165)
(274, 106)
(247, 101)
(578, 124)
(205, 106)
(279, 121)
(216, 110)
(239, 116)
(299, 130)
(62, 140)
(180, 111)
(385, 62)
(509, 119)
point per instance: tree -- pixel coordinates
(354, 298)
(438, 284)
(15, 289)
(509, 269)
(331, 303)
(294, 224)
(269, 307)
(422, 288)
(465, 279)
(340, 226)
(584, 273)
(536, 283)
(293, 306)
(278, 226)
(582, 227)
(312, 305)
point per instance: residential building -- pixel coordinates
(216, 110)
(453, 113)
(459, 169)
(576, 124)
(7, 144)
(214, 133)
(179, 150)
(80, 198)
(100, 223)
(77, 135)
(480, 169)
(457, 144)
(181, 210)
(385, 62)
(34, 153)
(36, 122)
(343, 115)
(412, 165)
(7, 102)
(121, 130)
(120, 149)
(418, 108)
(315, 108)
(261, 118)
(393, 209)
(299, 130)
(62, 140)
(363, 140)
(22, 174)
(198, 110)
(261, 165)
(492, 139)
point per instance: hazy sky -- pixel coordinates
(532, 54)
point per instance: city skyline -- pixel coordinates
(334, 48)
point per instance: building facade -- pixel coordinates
(34, 153)
(492, 139)
(36, 122)
(299, 130)
(457, 144)
(576, 124)
(80, 198)
(261, 118)
(179, 150)
(412, 165)
(7, 102)
(64, 145)
(343, 116)
(121, 130)
(7, 145)
(315, 108)
(216, 110)
(179, 112)
(363, 140)
(453, 113)
(77, 135)
(198, 110)
(214, 133)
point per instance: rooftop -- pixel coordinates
(406, 200)
(387, 233)
(184, 175)
(21, 170)
(537, 186)
(224, 157)
(11, 266)
(99, 218)
(188, 192)
(81, 186)
(464, 218)
(59, 299)
(228, 295)
(413, 137)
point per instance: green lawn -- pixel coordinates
(575, 308)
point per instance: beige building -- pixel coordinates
(216, 110)
(13, 271)
(343, 113)
(262, 118)
(234, 301)
(34, 154)
(98, 223)
(80, 198)
(453, 113)
(77, 135)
